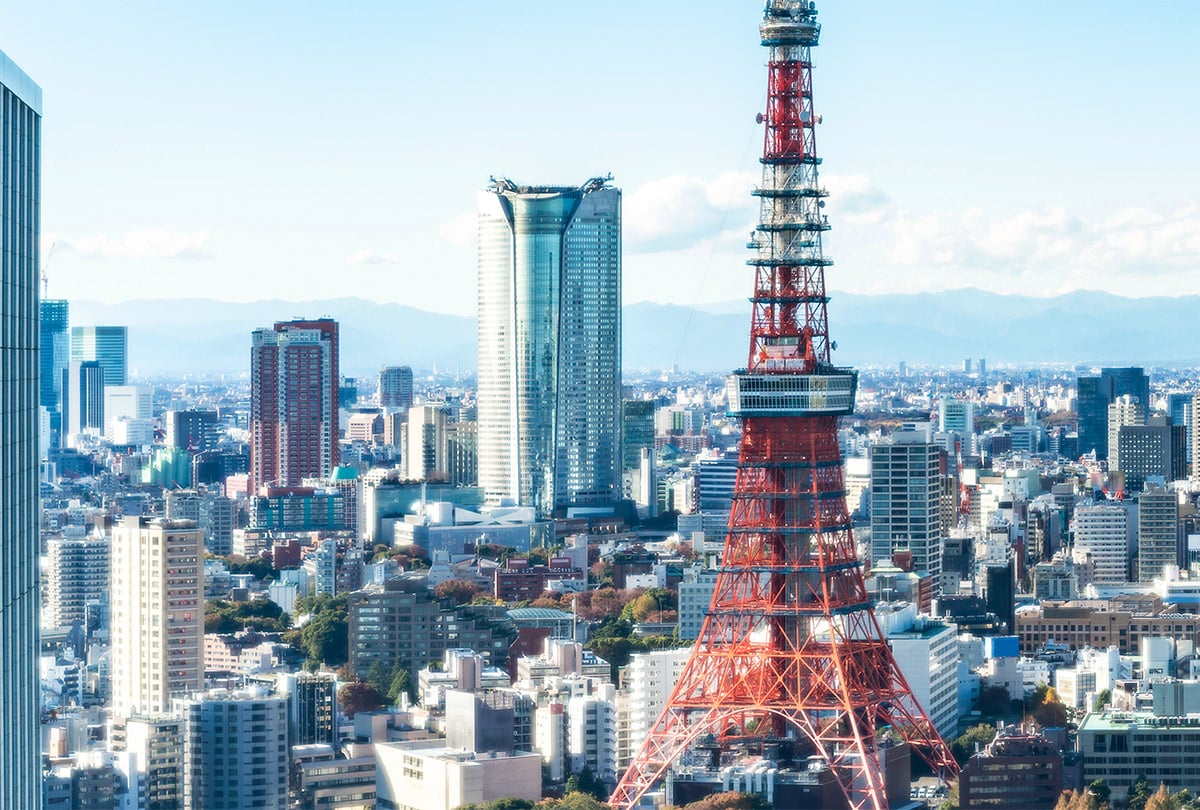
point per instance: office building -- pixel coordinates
(194, 430)
(1018, 768)
(637, 431)
(1121, 622)
(906, 487)
(396, 388)
(76, 576)
(1101, 551)
(462, 453)
(1095, 394)
(83, 398)
(1158, 532)
(235, 751)
(20, 213)
(549, 320)
(927, 653)
(293, 402)
(55, 350)
(1151, 451)
(106, 345)
(312, 707)
(1118, 747)
(425, 449)
(421, 776)
(1125, 411)
(956, 416)
(156, 613)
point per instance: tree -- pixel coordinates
(1162, 799)
(730, 800)
(401, 685)
(1073, 800)
(359, 696)
(460, 590)
(963, 748)
(1050, 713)
(580, 801)
(1139, 793)
(1099, 792)
(1102, 699)
(994, 701)
(586, 782)
(326, 639)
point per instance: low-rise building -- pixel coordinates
(413, 776)
(1018, 768)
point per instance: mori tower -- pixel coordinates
(550, 345)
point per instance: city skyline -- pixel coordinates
(250, 148)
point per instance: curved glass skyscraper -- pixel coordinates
(550, 344)
(20, 220)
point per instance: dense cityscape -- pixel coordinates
(554, 581)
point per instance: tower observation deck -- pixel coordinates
(791, 668)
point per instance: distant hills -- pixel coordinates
(207, 336)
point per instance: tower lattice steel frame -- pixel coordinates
(790, 646)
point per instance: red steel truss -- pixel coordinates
(790, 648)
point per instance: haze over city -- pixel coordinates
(233, 150)
(445, 407)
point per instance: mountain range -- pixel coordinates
(205, 336)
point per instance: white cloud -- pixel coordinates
(367, 256)
(681, 212)
(140, 244)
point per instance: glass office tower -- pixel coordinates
(107, 345)
(20, 213)
(550, 345)
(55, 350)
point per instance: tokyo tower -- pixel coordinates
(790, 657)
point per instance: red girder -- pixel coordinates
(790, 643)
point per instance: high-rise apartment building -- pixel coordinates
(1101, 550)
(396, 387)
(293, 402)
(20, 213)
(1158, 532)
(235, 750)
(55, 350)
(106, 345)
(550, 344)
(76, 576)
(156, 613)
(906, 487)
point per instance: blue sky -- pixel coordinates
(307, 150)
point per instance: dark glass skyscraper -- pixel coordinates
(55, 351)
(1096, 394)
(20, 226)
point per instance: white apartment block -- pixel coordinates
(156, 613)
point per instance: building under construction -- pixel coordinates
(791, 690)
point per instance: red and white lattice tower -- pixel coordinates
(790, 649)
